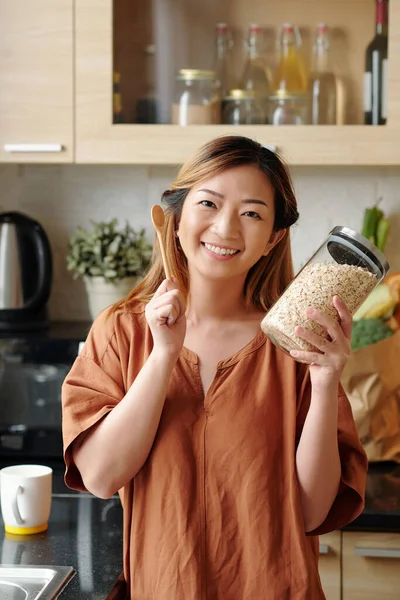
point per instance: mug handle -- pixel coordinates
(15, 509)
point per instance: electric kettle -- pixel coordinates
(26, 271)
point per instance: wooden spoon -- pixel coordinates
(158, 219)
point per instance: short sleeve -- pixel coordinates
(91, 389)
(349, 502)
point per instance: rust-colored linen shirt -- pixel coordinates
(214, 513)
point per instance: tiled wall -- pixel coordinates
(63, 197)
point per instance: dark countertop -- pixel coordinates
(57, 330)
(85, 533)
(382, 500)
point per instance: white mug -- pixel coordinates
(25, 492)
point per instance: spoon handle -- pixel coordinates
(164, 258)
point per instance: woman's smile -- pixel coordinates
(220, 252)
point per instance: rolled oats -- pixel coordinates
(315, 287)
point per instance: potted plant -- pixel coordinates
(110, 259)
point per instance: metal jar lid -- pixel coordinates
(349, 247)
(239, 94)
(287, 96)
(195, 74)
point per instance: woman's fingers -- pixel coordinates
(313, 338)
(171, 297)
(162, 288)
(333, 328)
(332, 352)
(345, 316)
(167, 305)
(166, 314)
(312, 358)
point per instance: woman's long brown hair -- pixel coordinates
(268, 278)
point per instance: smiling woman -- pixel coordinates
(228, 228)
(229, 456)
(265, 190)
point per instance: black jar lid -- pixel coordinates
(351, 248)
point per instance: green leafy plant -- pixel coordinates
(108, 251)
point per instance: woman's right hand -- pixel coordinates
(165, 314)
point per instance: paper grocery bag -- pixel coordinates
(371, 380)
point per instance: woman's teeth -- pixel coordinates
(221, 251)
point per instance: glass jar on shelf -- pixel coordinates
(242, 107)
(197, 100)
(285, 108)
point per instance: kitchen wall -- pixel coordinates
(63, 197)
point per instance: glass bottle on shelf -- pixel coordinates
(376, 72)
(222, 61)
(117, 102)
(322, 96)
(242, 107)
(256, 76)
(290, 74)
(146, 105)
(197, 100)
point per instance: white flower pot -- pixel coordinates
(102, 293)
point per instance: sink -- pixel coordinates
(25, 582)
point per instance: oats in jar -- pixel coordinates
(315, 286)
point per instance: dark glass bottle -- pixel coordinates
(147, 108)
(117, 103)
(375, 76)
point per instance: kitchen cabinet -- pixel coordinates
(329, 564)
(112, 35)
(371, 566)
(36, 81)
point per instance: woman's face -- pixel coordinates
(227, 222)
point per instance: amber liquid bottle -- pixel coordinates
(376, 73)
(290, 74)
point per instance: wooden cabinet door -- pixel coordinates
(329, 564)
(111, 36)
(371, 566)
(36, 81)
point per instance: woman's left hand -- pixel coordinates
(326, 366)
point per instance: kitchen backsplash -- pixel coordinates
(63, 197)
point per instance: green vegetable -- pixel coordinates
(368, 228)
(382, 231)
(372, 216)
(375, 226)
(369, 331)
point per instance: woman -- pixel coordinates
(229, 456)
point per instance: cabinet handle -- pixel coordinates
(323, 549)
(378, 552)
(33, 147)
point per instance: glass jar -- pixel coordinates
(346, 265)
(197, 101)
(242, 107)
(287, 109)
